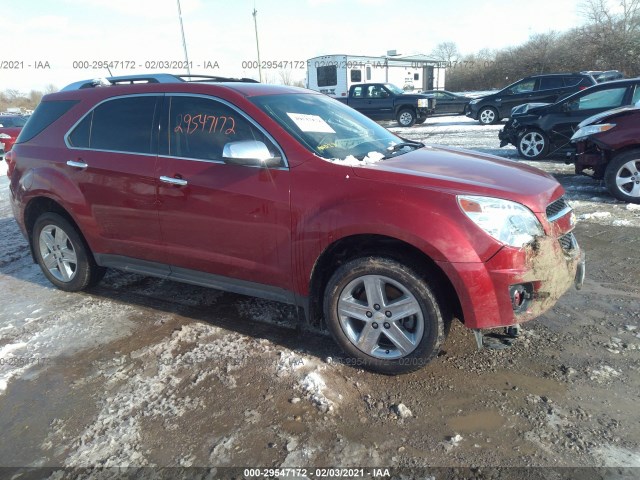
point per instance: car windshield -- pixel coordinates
(332, 130)
(15, 122)
(392, 88)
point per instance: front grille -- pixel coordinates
(557, 209)
(567, 242)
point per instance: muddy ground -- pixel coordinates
(146, 372)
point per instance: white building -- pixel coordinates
(334, 74)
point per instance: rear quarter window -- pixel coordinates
(549, 83)
(44, 115)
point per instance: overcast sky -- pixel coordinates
(62, 32)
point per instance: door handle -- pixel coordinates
(77, 164)
(174, 181)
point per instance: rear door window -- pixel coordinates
(119, 125)
(572, 81)
(549, 83)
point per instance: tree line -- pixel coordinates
(24, 101)
(609, 40)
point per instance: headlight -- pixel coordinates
(473, 102)
(423, 103)
(591, 130)
(508, 222)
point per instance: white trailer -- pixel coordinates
(334, 74)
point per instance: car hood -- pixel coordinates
(461, 171)
(529, 109)
(608, 114)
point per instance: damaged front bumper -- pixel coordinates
(509, 134)
(518, 285)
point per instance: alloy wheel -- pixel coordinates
(380, 317)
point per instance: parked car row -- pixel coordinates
(10, 126)
(541, 129)
(547, 88)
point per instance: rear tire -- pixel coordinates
(406, 118)
(63, 255)
(622, 176)
(384, 315)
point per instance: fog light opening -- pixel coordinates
(520, 295)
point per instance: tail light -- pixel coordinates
(582, 87)
(10, 158)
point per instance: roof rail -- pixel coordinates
(150, 78)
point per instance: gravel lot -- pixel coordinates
(146, 372)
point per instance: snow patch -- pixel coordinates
(589, 216)
(370, 159)
(288, 363)
(37, 342)
(613, 456)
(604, 373)
(314, 385)
(150, 383)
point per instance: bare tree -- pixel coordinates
(446, 51)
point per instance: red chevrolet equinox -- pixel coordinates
(286, 194)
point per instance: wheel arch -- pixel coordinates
(406, 106)
(363, 245)
(39, 205)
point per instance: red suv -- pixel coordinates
(10, 126)
(608, 144)
(286, 194)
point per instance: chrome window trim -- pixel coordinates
(177, 94)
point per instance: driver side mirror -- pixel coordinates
(251, 153)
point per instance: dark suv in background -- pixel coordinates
(548, 88)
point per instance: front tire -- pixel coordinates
(533, 144)
(406, 117)
(622, 176)
(488, 116)
(63, 255)
(384, 315)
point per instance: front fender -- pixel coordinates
(428, 220)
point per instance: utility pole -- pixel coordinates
(255, 24)
(184, 41)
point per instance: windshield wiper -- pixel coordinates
(399, 146)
